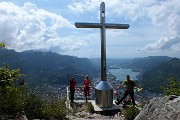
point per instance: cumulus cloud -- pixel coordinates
(128, 9)
(162, 44)
(166, 14)
(27, 27)
(159, 11)
(84, 5)
(65, 44)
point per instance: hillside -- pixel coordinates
(147, 63)
(47, 67)
(155, 69)
(142, 64)
(110, 62)
(157, 76)
(52, 68)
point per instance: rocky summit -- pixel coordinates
(161, 108)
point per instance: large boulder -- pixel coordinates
(161, 108)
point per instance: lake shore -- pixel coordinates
(121, 73)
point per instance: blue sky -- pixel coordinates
(48, 25)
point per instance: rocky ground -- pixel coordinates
(82, 113)
(158, 108)
(161, 108)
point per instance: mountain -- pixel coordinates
(48, 67)
(142, 64)
(110, 62)
(52, 68)
(146, 63)
(157, 76)
(154, 69)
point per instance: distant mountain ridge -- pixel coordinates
(157, 76)
(48, 67)
(146, 63)
(155, 69)
(52, 68)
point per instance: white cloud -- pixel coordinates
(162, 44)
(82, 6)
(161, 12)
(95, 53)
(161, 15)
(77, 7)
(154, 24)
(127, 9)
(27, 27)
(166, 14)
(64, 44)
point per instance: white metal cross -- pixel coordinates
(102, 25)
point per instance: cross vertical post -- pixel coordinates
(103, 42)
(103, 91)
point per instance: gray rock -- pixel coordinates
(161, 108)
(84, 115)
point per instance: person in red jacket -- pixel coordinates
(86, 84)
(72, 83)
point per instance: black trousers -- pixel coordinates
(131, 93)
(72, 94)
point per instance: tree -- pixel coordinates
(2, 45)
(8, 77)
(12, 97)
(172, 88)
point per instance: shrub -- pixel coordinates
(130, 112)
(172, 88)
(12, 97)
(56, 109)
(2, 45)
(12, 102)
(33, 106)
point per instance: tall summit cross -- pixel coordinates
(103, 26)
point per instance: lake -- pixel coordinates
(121, 73)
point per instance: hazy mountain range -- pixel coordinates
(52, 68)
(48, 67)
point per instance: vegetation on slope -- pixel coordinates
(47, 67)
(15, 101)
(156, 77)
(172, 88)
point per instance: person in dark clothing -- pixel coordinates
(130, 84)
(72, 83)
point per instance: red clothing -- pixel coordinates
(86, 86)
(86, 91)
(72, 84)
(86, 83)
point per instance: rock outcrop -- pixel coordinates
(161, 108)
(85, 115)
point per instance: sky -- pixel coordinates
(48, 25)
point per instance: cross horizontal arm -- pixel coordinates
(116, 26)
(88, 25)
(99, 25)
